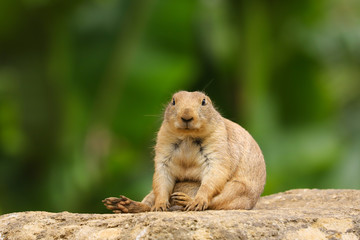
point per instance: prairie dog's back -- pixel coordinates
(243, 147)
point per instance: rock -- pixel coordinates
(295, 214)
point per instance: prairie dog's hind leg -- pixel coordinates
(235, 195)
(149, 199)
(125, 205)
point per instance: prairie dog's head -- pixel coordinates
(191, 113)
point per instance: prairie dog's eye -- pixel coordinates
(173, 101)
(203, 102)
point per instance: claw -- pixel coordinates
(112, 199)
(160, 207)
(196, 205)
(182, 199)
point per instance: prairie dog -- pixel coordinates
(202, 161)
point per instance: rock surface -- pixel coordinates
(295, 214)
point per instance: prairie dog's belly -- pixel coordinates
(186, 160)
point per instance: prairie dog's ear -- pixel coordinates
(208, 99)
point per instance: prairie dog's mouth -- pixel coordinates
(187, 126)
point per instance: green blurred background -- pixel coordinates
(83, 85)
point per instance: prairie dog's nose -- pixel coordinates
(187, 119)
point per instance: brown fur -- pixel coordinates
(202, 161)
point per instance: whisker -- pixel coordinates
(208, 84)
(150, 115)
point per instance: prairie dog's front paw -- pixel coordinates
(160, 206)
(198, 204)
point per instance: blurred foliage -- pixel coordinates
(83, 85)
